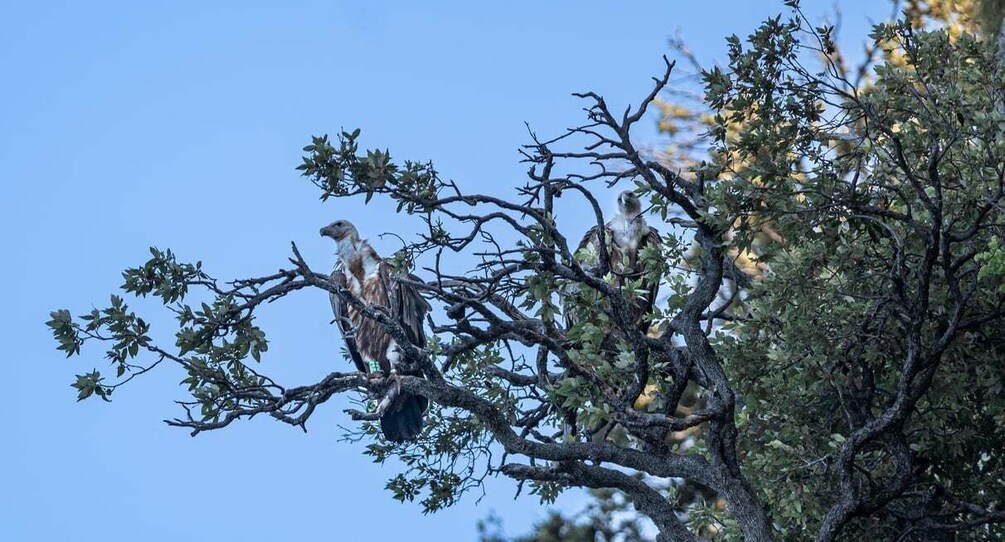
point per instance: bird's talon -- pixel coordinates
(354, 414)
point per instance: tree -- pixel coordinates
(854, 388)
(883, 293)
(684, 117)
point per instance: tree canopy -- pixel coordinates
(825, 360)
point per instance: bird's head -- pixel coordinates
(340, 230)
(628, 203)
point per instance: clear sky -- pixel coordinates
(179, 124)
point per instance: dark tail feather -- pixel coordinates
(403, 420)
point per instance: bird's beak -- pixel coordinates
(325, 232)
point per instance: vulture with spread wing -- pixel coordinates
(371, 279)
(625, 236)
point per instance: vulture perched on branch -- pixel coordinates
(622, 239)
(373, 350)
(625, 236)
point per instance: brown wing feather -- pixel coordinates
(342, 319)
(403, 420)
(651, 279)
(569, 290)
(405, 304)
(591, 239)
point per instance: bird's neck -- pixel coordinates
(347, 249)
(349, 257)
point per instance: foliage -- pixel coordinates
(603, 520)
(883, 321)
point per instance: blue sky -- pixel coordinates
(179, 124)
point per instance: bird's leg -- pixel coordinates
(377, 413)
(393, 357)
(373, 374)
(395, 378)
